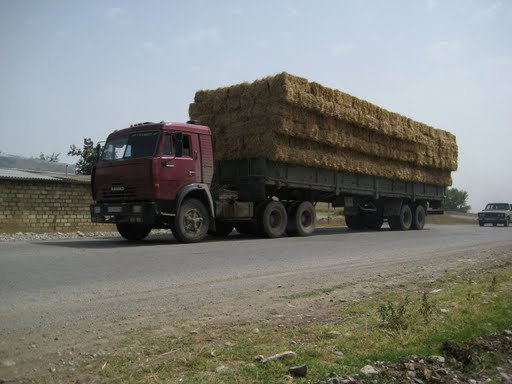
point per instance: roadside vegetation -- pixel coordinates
(413, 319)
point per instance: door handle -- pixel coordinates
(191, 173)
(167, 164)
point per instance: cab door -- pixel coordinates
(176, 169)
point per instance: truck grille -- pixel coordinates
(126, 193)
(491, 215)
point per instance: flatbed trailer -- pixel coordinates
(367, 200)
(256, 178)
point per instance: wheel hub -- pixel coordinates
(306, 219)
(275, 219)
(193, 220)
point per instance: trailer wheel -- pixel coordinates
(273, 219)
(402, 222)
(133, 232)
(222, 229)
(374, 223)
(481, 223)
(419, 216)
(302, 220)
(192, 221)
(354, 222)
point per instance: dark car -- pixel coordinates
(496, 213)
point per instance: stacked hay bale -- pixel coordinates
(288, 119)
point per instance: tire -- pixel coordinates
(505, 224)
(192, 222)
(373, 223)
(481, 223)
(403, 222)
(302, 220)
(354, 223)
(272, 220)
(222, 229)
(418, 217)
(133, 232)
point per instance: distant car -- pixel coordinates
(496, 213)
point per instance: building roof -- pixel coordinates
(18, 174)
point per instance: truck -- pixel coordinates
(164, 175)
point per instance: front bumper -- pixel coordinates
(492, 219)
(134, 212)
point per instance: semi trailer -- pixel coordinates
(164, 175)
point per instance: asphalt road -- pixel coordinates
(56, 287)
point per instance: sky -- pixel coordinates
(74, 69)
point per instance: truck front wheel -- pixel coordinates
(302, 220)
(192, 222)
(133, 232)
(273, 219)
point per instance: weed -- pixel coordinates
(470, 296)
(494, 284)
(395, 316)
(426, 308)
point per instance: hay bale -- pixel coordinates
(286, 118)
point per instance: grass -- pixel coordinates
(414, 319)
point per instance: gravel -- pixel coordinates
(31, 236)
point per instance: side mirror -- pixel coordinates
(98, 151)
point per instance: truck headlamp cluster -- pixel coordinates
(97, 209)
(137, 209)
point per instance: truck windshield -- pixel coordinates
(136, 145)
(496, 207)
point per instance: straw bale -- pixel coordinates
(286, 118)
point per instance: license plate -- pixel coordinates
(115, 209)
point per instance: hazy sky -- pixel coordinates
(75, 69)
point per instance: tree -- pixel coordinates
(53, 158)
(456, 200)
(87, 154)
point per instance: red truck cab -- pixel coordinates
(146, 173)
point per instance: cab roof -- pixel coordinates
(190, 127)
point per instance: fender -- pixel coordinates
(203, 188)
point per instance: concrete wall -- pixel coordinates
(46, 206)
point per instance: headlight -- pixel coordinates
(97, 209)
(137, 208)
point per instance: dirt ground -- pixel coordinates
(39, 353)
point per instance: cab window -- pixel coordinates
(186, 146)
(169, 147)
(166, 151)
